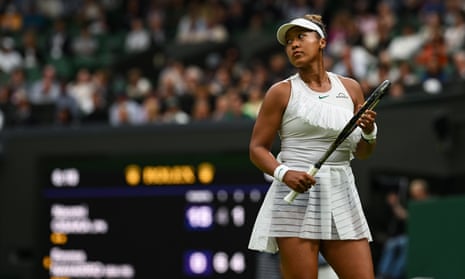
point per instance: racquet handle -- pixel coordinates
(289, 198)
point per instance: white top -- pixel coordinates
(312, 121)
(332, 208)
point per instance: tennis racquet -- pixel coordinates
(369, 104)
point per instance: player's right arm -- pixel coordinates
(266, 127)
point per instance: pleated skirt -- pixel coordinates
(330, 210)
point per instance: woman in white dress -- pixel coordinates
(308, 110)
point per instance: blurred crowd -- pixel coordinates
(57, 57)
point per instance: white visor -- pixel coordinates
(302, 22)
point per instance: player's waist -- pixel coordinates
(305, 157)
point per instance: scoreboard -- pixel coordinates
(149, 215)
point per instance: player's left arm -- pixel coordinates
(367, 121)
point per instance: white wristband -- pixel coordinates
(280, 171)
(372, 135)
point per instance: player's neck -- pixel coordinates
(317, 81)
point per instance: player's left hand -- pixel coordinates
(367, 121)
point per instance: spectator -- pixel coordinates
(436, 46)
(296, 8)
(393, 259)
(18, 80)
(138, 38)
(101, 79)
(404, 46)
(355, 62)
(246, 81)
(338, 33)
(383, 70)
(85, 44)
(58, 43)
(46, 89)
(195, 88)
(407, 74)
(21, 115)
(51, 8)
(192, 27)
(236, 107)
(221, 81)
(173, 113)
(32, 18)
(171, 79)
(431, 24)
(31, 52)
(156, 26)
(261, 75)
(138, 86)
(82, 90)
(378, 41)
(433, 60)
(124, 111)
(201, 111)
(397, 90)
(93, 13)
(10, 58)
(64, 116)
(278, 68)
(221, 108)
(90, 11)
(151, 110)
(133, 9)
(459, 65)
(99, 114)
(386, 15)
(216, 31)
(430, 7)
(254, 102)
(365, 20)
(66, 108)
(454, 34)
(11, 20)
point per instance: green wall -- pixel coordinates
(437, 238)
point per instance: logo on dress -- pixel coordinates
(341, 95)
(322, 97)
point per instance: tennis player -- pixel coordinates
(308, 110)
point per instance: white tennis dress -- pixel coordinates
(332, 208)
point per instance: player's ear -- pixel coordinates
(322, 43)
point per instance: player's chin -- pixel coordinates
(298, 63)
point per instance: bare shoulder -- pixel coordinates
(351, 84)
(275, 101)
(353, 88)
(279, 92)
(281, 87)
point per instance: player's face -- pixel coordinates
(303, 46)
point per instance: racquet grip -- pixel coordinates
(289, 198)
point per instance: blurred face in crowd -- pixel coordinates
(419, 190)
